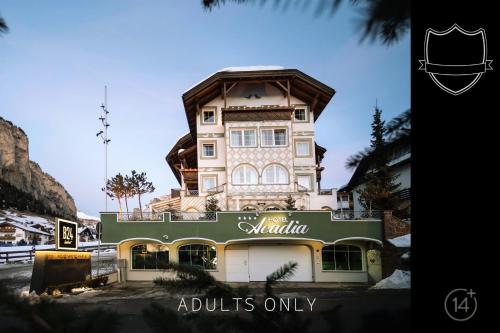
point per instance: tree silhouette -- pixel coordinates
(3, 26)
(384, 20)
(399, 128)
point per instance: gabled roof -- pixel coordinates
(302, 86)
(25, 228)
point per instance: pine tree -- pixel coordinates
(212, 205)
(380, 184)
(115, 188)
(128, 190)
(290, 203)
(140, 185)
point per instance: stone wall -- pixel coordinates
(391, 255)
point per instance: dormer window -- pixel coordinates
(208, 116)
(299, 114)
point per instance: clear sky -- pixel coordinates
(58, 56)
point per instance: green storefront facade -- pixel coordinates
(247, 246)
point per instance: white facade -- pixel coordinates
(247, 171)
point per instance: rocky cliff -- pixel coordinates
(25, 180)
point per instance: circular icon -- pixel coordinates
(460, 304)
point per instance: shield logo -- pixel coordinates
(455, 59)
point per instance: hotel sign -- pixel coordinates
(279, 225)
(66, 235)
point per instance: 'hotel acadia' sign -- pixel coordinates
(278, 225)
(66, 235)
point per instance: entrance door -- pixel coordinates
(237, 265)
(265, 259)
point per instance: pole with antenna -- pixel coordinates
(103, 134)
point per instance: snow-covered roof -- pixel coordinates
(401, 241)
(83, 216)
(26, 228)
(251, 68)
(239, 69)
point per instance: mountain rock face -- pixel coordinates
(26, 176)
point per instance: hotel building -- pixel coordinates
(251, 149)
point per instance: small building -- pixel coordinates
(13, 233)
(87, 234)
(251, 152)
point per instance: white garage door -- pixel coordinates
(237, 265)
(263, 260)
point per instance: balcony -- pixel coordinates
(223, 227)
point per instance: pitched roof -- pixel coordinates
(303, 86)
(25, 228)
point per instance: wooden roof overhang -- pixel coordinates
(311, 91)
(190, 175)
(188, 156)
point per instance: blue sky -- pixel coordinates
(58, 56)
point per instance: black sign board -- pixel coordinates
(59, 268)
(66, 235)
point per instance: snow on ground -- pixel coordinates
(405, 255)
(402, 241)
(26, 219)
(83, 216)
(398, 280)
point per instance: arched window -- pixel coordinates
(249, 208)
(275, 174)
(341, 258)
(245, 175)
(199, 255)
(149, 256)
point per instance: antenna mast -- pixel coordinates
(104, 136)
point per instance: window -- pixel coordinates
(249, 209)
(341, 258)
(274, 137)
(208, 117)
(304, 183)
(273, 208)
(243, 138)
(208, 182)
(303, 148)
(244, 175)
(149, 256)
(208, 150)
(199, 255)
(299, 115)
(275, 174)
